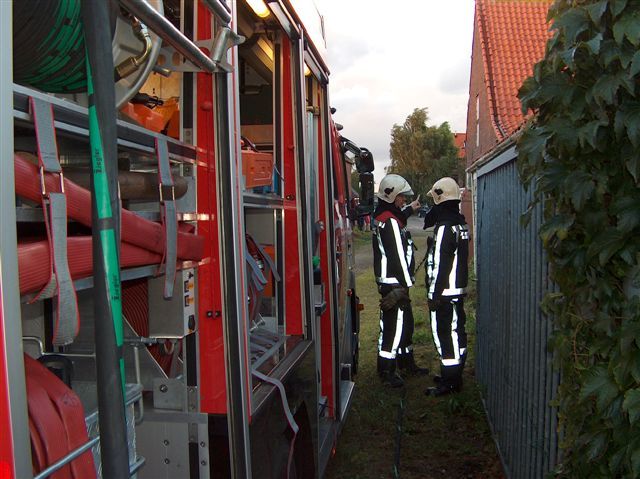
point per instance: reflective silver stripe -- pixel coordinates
(410, 255)
(387, 281)
(450, 362)
(383, 256)
(381, 331)
(401, 253)
(454, 265)
(436, 261)
(387, 355)
(434, 331)
(454, 291)
(454, 335)
(398, 336)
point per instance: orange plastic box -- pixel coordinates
(257, 168)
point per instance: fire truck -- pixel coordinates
(176, 264)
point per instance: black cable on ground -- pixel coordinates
(396, 457)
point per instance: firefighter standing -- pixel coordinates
(393, 268)
(447, 276)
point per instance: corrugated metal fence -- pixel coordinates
(512, 361)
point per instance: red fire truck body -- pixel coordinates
(239, 311)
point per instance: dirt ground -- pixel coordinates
(403, 433)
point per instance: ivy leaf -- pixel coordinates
(629, 27)
(635, 64)
(605, 89)
(573, 22)
(635, 462)
(617, 6)
(606, 244)
(589, 133)
(596, 11)
(598, 383)
(557, 226)
(615, 460)
(635, 365)
(594, 44)
(627, 211)
(596, 446)
(631, 404)
(633, 167)
(581, 188)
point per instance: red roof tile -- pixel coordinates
(513, 35)
(459, 139)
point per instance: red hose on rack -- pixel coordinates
(34, 268)
(135, 230)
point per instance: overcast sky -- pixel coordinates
(389, 57)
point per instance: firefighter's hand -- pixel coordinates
(397, 297)
(435, 304)
(415, 204)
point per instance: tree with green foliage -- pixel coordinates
(581, 156)
(422, 154)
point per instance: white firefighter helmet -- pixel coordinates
(393, 185)
(444, 189)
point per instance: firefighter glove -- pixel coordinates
(435, 304)
(397, 297)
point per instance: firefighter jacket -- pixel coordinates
(393, 258)
(447, 254)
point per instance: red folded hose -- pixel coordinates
(135, 230)
(71, 433)
(34, 267)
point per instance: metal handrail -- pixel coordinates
(88, 445)
(68, 458)
(169, 33)
(220, 9)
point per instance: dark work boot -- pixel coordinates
(407, 364)
(449, 381)
(463, 359)
(388, 373)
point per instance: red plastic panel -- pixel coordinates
(326, 326)
(7, 468)
(212, 384)
(292, 277)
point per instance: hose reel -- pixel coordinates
(49, 51)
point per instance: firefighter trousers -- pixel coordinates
(450, 337)
(396, 332)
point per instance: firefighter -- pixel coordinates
(447, 275)
(393, 266)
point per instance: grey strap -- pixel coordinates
(68, 318)
(257, 277)
(54, 207)
(269, 261)
(42, 113)
(283, 397)
(169, 215)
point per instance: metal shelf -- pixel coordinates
(125, 275)
(73, 120)
(270, 201)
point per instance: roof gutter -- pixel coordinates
(495, 152)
